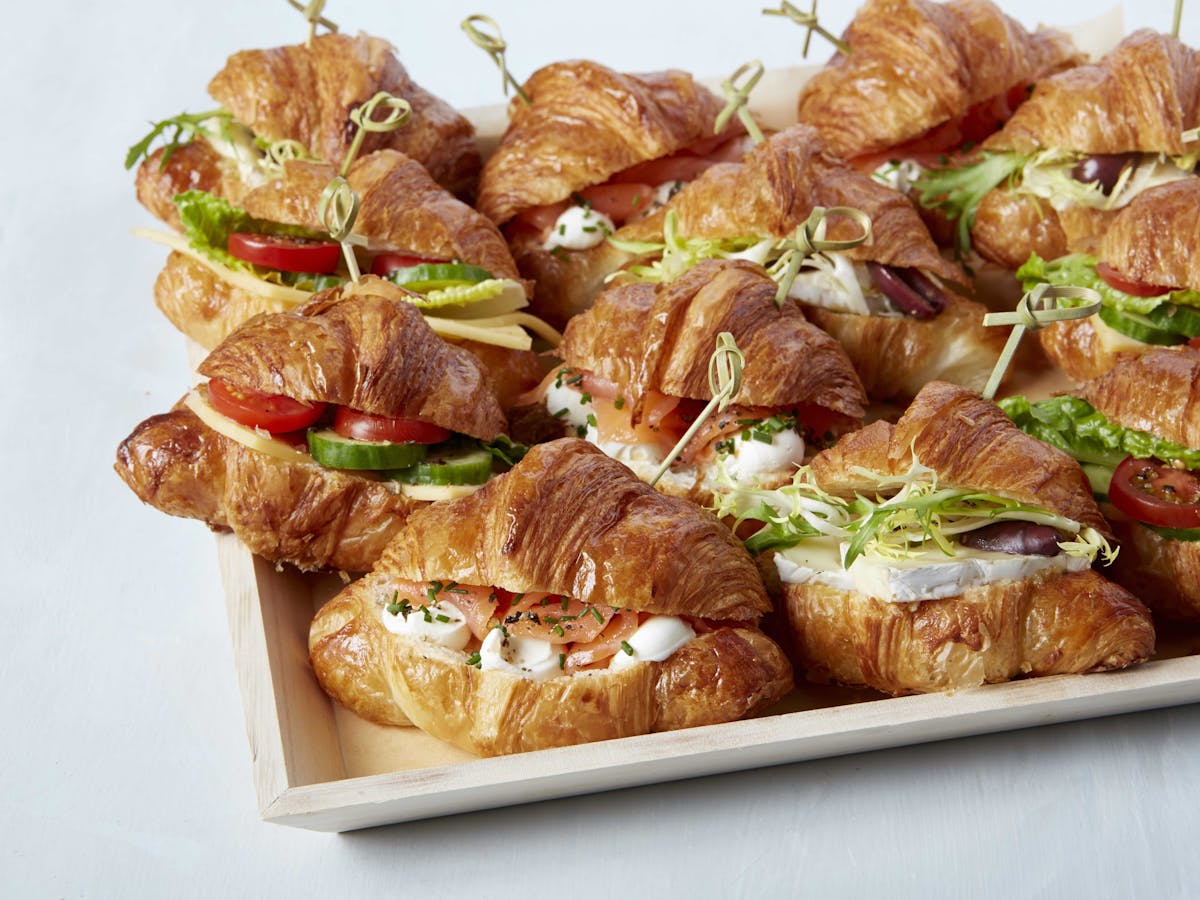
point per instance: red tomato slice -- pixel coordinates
(1116, 280)
(621, 627)
(361, 426)
(620, 202)
(555, 618)
(386, 263)
(668, 168)
(1155, 493)
(270, 412)
(285, 254)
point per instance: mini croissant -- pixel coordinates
(654, 341)
(360, 346)
(1153, 241)
(305, 93)
(1060, 617)
(575, 528)
(915, 64)
(1139, 99)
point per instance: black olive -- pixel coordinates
(1023, 538)
(1103, 169)
(911, 292)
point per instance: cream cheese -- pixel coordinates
(579, 228)
(655, 640)
(441, 623)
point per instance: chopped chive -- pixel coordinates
(558, 630)
(442, 618)
(625, 646)
(619, 403)
(562, 412)
(475, 660)
(598, 615)
(562, 660)
(426, 613)
(585, 398)
(565, 602)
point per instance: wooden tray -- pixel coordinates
(317, 766)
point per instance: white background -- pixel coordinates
(124, 767)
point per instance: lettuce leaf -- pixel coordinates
(1080, 269)
(208, 220)
(1074, 426)
(957, 191)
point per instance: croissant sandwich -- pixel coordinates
(270, 254)
(885, 301)
(946, 551)
(546, 610)
(1136, 431)
(593, 149)
(635, 377)
(292, 102)
(1147, 272)
(319, 430)
(922, 79)
(1088, 142)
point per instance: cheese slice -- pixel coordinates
(247, 437)
(435, 492)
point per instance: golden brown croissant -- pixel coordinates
(566, 521)
(1153, 241)
(1138, 99)
(584, 123)
(306, 93)
(401, 209)
(360, 346)
(1158, 392)
(195, 166)
(915, 64)
(650, 340)
(1046, 619)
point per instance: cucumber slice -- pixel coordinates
(332, 450)
(1098, 476)
(437, 276)
(1175, 534)
(449, 466)
(1183, 320)
(1139, 327)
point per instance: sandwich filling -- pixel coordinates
(419, 459)
(757, 445)
(916, 540)
(537, 636)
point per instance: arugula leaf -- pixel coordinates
(957, 191)
(1074, 426)
(1080, 270)
(187, 127)
(505, 449)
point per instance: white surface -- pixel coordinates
(124, 768)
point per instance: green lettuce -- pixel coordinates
(957, 191)
(1075, 427)
(1080, 270)
(208, 220)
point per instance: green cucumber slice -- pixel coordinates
(1099, 477)
(449, 466)
(1175, 534)
(437, 276)
(1139, 327)
(1183, 320)
(332, 450)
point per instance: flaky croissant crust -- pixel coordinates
(915, 64)
(971, 445)
(660, 338)
(1044, 625)
(299, 513)
(361, 345)
(306, 93)
(775, 188)
(1140, 97)
(1158, 392)
(586, 122)
(717, 677)
(401, 208)
(1164, 573)
(569, 520)
(1156, 238)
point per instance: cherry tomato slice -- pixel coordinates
(1155, 493)
(361, 426)
(386, 263)
(284, 253)
(1116, 280)
(270, 412)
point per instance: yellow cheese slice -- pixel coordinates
(247, 437)
(435, 492)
